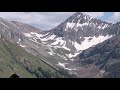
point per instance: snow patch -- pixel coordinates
(58, 40)
(19, 40)
(27, 34)
(63, 65)
(33, 34)
(106, 25)
(44, 39)
(22, 45)
(51, 37)
(36, 34)
(77, 46)
(51, 51)
(70, 25)
(99, 27)
(73, 55)
(62, 56)
(103, 26)
(55, 43)
(34, 40)
(102, 71)
(72, 59)
(62, 43)
(81, 25)
(65, 46)
(89, 43)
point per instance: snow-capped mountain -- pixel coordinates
(61, 45)
(78, 32)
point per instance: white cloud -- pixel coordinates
(43, 20)
(115, 17)
(95, 14)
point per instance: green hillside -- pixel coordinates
(14, 59)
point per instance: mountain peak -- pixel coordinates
(79, 17)
(82, 14)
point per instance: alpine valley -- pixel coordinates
(79, 47)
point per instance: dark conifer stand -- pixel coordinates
(14, 76)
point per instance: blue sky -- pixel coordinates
(105, 16)
(48, 20)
